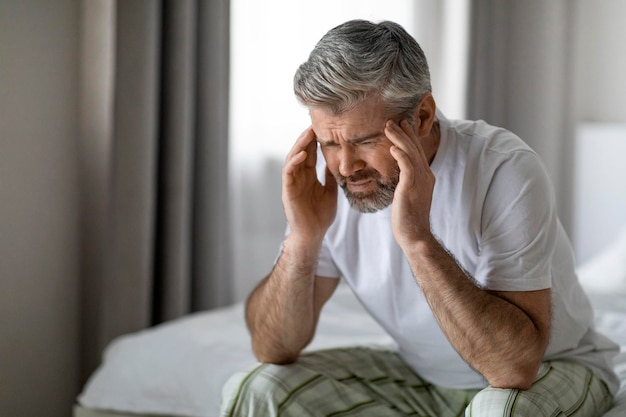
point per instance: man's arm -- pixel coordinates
(282, 312)
(502, 335)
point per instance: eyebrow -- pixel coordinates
(355, 140)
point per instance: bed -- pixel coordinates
(178, 368)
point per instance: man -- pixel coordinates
(447, 232)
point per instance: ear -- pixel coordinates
(424, 115)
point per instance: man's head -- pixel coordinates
(359, 75)
(359, 58)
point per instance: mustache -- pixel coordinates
(358, 176)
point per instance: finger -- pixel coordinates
(399, 137)
(291, 166)
(311, 150)
(305, 138)
(403, 136)
(408, 130)
(401, 151)
(407, 176)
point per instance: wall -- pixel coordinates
(601, 61)
(600, 95)
(38, 207)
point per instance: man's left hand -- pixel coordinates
(413, 195)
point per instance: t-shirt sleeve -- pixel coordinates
(518, 226)
(326, 267)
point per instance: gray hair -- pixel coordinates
(358, 58)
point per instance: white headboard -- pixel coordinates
(599, 187)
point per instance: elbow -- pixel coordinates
(276, 359)
(518, 376)
(274, 355)
(520, 369)
(519, 382)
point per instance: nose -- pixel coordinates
(349, 161)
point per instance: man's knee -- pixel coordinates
(260, 390)
(561, 388)
(264, 390)
(499, 402)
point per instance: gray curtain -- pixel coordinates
(521, 78)
(154, 153)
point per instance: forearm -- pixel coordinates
(280, 312)
(493, 334)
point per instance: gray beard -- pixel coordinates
(373, 201)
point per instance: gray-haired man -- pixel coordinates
(446, 231)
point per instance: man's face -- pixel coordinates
(357, 153)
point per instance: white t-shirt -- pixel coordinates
(493, 209)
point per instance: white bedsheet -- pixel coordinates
(611, 320)
(179, 367)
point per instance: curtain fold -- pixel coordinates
(157, 126)
(175, 177)
(211, 214)
(128, 281)
(521, 78)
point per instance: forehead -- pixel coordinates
(366, 118)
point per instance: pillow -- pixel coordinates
(606, 271)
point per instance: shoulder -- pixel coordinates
(491, 149)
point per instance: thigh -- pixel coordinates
(562, 388)
(340, 382)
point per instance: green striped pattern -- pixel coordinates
(377, 383)
(340, 383)
(562, 389)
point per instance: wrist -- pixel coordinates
(301, 248)
(423, 249)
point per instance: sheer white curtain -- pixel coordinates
(269, 40)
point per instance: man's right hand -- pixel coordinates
(282, 312)
(310, 207)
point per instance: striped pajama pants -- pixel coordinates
(377, 383)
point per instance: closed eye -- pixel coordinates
(371, 141)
